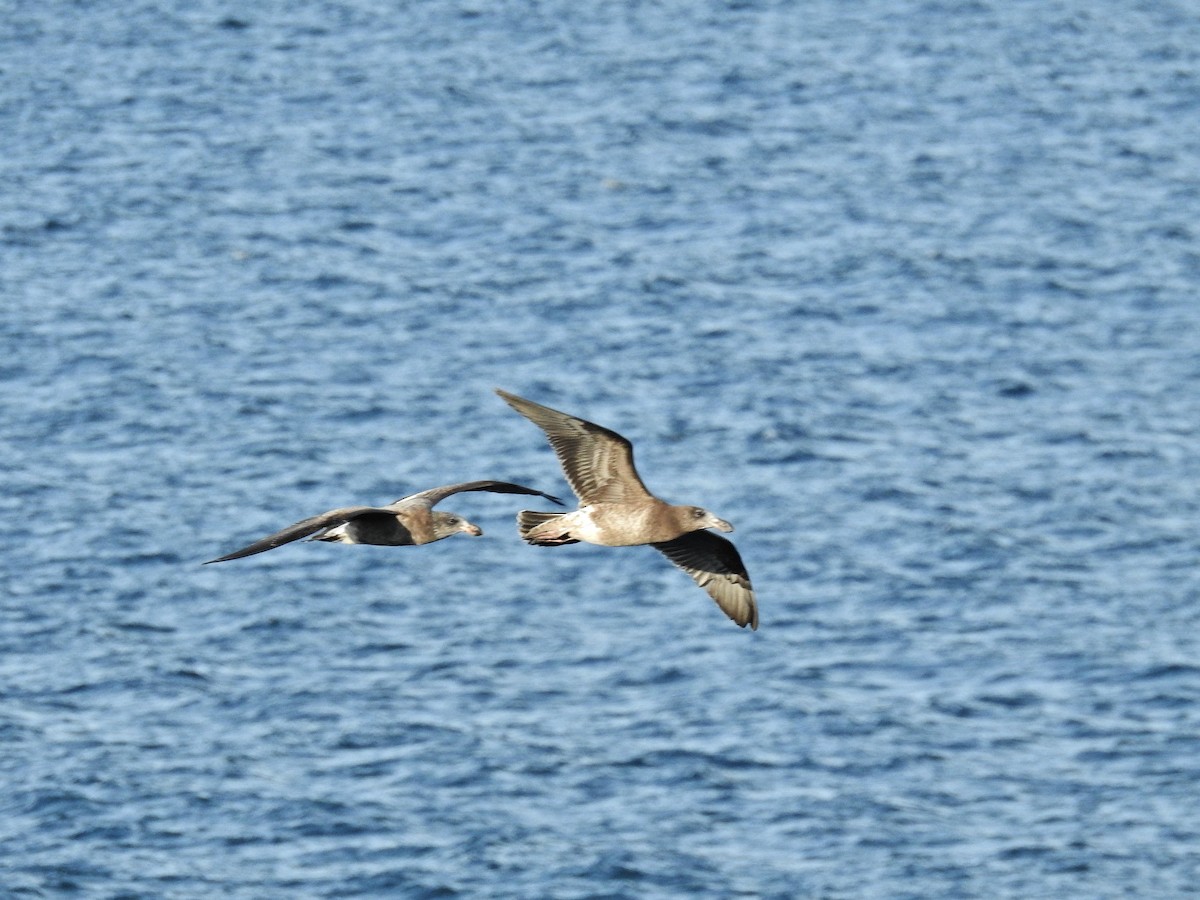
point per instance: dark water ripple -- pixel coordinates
(905, 290)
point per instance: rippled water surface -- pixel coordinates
(907, 291)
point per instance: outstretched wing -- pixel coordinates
(716, 566)
(436, 495)
(597, 462)
(303, 529)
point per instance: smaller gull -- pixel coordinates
(617, 510)
(406, 522)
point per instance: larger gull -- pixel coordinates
(409, 521)
(617, 510)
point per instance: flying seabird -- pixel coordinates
(405, 522)
(617, 510)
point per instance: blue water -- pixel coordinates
(908, 291)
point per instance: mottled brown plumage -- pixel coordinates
(409, 521)
(617, 510)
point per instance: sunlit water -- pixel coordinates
(906, 291)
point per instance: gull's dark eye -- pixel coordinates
(698, 513)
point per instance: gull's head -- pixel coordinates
(446, 524)
(698, 518)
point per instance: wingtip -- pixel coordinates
(751, 621)
(514, 400)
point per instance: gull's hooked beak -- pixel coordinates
(720, 525)
(471, 529)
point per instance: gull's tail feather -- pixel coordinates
(528, 520)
